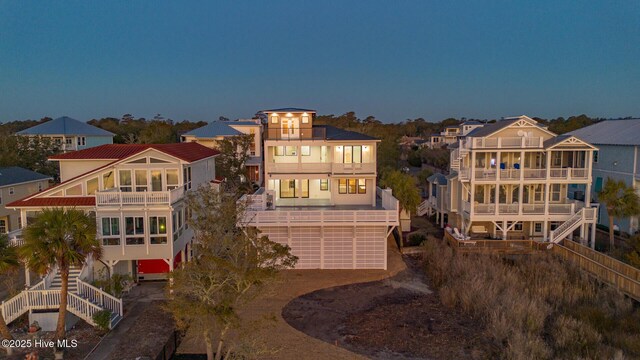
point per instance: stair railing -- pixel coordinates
(100, 297)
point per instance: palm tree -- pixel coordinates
(404, 189)
(9, 262)
(62, 237)
(620, 201)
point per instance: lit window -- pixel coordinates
(352, 186)
(362, 186)
(158, 230)
(342, 186)
(305, 150)
(290, 151)
(324, 184)
(278, 150)
(305, 118)
(274, 118)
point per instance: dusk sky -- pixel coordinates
(391, 59)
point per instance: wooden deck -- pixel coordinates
(515, 247)
(606, 269)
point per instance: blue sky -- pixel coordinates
(392, 59)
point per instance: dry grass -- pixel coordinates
(536, 307)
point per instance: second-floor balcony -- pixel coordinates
(321, 167)
(114, 197)
(294, 133)
(518, 142)
(568, 207)
(492, 174)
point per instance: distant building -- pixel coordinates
(468, 126)
(16, 183)
(618, 158)
(452, 134)
(209, 136)
(70, 134)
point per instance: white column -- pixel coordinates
(504, 230)
(545, 227)
(593, 235)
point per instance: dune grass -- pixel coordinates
(537, 306)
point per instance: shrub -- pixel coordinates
(416, 239)
(535, 306)
(102, 319)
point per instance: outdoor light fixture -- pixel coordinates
(289, 114)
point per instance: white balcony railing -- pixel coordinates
(527, 209)
(353, 168)
(510, 174)
(120, 198)
(485, 174)
(530, 174)
(505, 143)
(15, 237)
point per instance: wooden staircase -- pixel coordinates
(583, 216)
(83, 299)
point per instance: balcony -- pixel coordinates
(491, 174)
(297, 168)
(518, 142)
(114, 197)
(287, 134)
(567, 208)
(15, 237)
(326, 167)
(261, 211)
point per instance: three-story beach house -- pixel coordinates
(509, 180)
(320, 195)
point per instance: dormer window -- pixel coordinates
(274, 118)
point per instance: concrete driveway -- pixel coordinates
(293, 344)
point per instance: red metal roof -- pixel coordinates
(55, 202)
(187, 151)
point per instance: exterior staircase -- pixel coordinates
(457, 157)
(83, 299)
(423, 208)
(583, 216)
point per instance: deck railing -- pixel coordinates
(505, 142)
(498, 246)
(623, 277)
(123, 198)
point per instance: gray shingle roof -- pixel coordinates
(611, 132)
(471, 122)
(441, 179)
(334, 133)
(65, 126)
(218, 128)
(491, 128)
(16, 175)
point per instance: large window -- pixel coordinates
(134, 230)
(111, 231)
(108, 181)
(305, 150)
(92, 186)
(142, 182)
(352, 154)
(158, 230)
(290, 151)
(278, 150)
(156, 180)
(287, 188)
(125, 180)
(305, 187)
(172, 179)
(352, 186)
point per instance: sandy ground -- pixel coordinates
(286, 341)
(396, 318)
